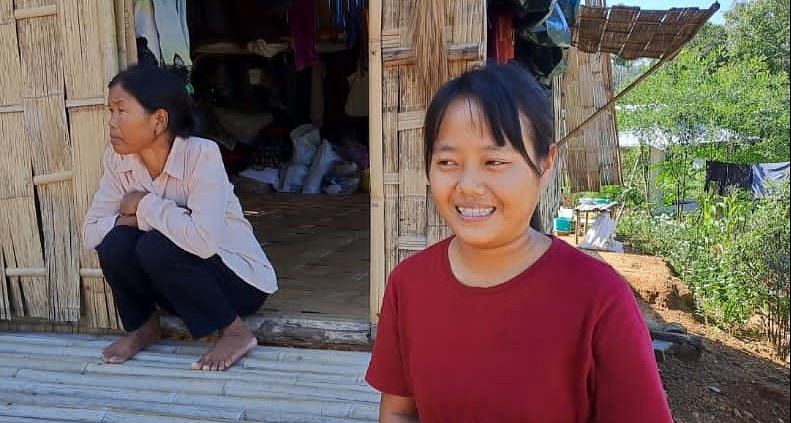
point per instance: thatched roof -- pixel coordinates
(631, 32)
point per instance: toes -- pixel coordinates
(199, 363)
(112, 359)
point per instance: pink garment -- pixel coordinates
(192, 203)
(302, 24)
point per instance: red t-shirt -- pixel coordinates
(564, 341)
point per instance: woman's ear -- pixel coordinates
(160, 117)
(548, 164)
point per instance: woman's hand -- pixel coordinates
(130, 201)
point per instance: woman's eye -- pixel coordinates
(444, 162)
(495, 163)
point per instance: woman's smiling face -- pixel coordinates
(486, 193)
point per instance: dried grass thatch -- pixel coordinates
(52, 122)
(631, 32)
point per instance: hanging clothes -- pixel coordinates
(174, 35)
(767, 174)
(723, 176)
(354, 25)
(302, 24)
(146, 28)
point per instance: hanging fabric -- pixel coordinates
(174, 35)
(146, 28)
(302, 24)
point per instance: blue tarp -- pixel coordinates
(766, 174)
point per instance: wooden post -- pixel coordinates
(376, 169)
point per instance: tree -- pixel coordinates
(760, 28)
(716, 85)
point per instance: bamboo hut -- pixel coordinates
(56, 57)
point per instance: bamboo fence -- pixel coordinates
(56, 57)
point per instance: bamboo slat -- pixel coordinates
(5, 305)
(35, 12)
(129, 33)
(107, 41)
(120, 33)
(376, 169)
(26, 271)
(53, 178)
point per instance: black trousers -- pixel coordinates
(146, 270)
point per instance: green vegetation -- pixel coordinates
(725, 97)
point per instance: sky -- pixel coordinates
(718, 17)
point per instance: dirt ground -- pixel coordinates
(736, 379)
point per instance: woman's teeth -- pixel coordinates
(475, 212)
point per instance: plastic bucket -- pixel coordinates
(563, 225)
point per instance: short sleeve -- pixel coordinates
(626, 376)
(386, 370)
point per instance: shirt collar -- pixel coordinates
(174, 165)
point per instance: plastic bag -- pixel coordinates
(306, 140)
(293, 178)
(323, 162)
(344, 179)
(553, 32)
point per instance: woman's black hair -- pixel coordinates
(505, 95)
(156, 88)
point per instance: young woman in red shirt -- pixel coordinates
(501, 323)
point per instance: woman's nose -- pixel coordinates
(470, 182)
(112, 119)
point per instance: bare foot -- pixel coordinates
(235, 341)
(126, 347)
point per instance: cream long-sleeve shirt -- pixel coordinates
(191, 202)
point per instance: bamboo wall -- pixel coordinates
(56, 57)
(403, 219)
(592, 154)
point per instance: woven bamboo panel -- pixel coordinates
(591, 155)
(550, 199)
(57, 56)
(410, 220)
(19, 234)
